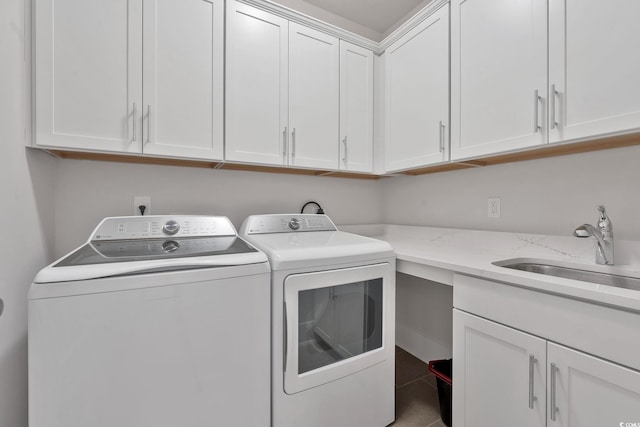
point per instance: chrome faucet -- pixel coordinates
(603, 235)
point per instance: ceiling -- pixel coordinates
(377, 15)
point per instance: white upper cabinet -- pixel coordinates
(282, 91)
(417, 95)
(256, 86)
(90, 90)
(313, 98)
(356, 108)
(594, 68)
(498, 76)
(183, 78)
(88, 74)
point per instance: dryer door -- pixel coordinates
(335, 324)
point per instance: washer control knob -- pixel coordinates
(294, 224)
(170, 246)
(171, 227)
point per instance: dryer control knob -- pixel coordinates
(171, 227)
(294, 224)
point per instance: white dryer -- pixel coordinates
(333, 321)
(155, 321)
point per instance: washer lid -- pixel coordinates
(121, 246)
(108, 252)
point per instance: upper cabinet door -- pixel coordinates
(88, 74)
(594, 68)
(256, 86)
(356, 108)
(585, 391)
(498, 75)
(313, 98)
(183, 78)
(417, 95)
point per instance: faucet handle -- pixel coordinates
(604, 223)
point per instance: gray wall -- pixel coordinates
(87, 191)
(546, 196)
(26, 215)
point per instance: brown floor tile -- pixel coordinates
(416, 405)
(430, 379)
(438, 423)
(408, 368)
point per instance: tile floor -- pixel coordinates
(416, 393)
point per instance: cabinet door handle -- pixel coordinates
(532, 362)
(554, 95)
(293, 142)
(135, 119)
(344, 159)
(552, 404)
(284, 143)
(536, 106)
(148, 124)
(441, 135)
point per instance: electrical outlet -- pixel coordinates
(493, 207)
(141, 201)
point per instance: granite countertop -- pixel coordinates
(438, 253)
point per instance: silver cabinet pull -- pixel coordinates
(135, 119)
(536, 106)
(293, 142)
(441, 135)
(532, 398)
(284, 142)
(344, 159)
(554, 94)
(552, 405)
(148, 124)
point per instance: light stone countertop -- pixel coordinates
(438, 253)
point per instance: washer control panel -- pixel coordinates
(160, 226)
(287, 223)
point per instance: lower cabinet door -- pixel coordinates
(499, 374)
(589, 392)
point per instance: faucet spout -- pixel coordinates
(603, 237)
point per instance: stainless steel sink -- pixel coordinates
(572, 272)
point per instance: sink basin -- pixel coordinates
(574, 272)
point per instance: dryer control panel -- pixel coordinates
(160, 226)
(286, 223)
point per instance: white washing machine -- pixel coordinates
(333, 321)
(155, 321)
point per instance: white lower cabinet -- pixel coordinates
(585, 391)
(499, 374)
(506, 377)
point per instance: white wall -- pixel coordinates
(546, 196)
(87, 191)
(424, 321)
(26, 215)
